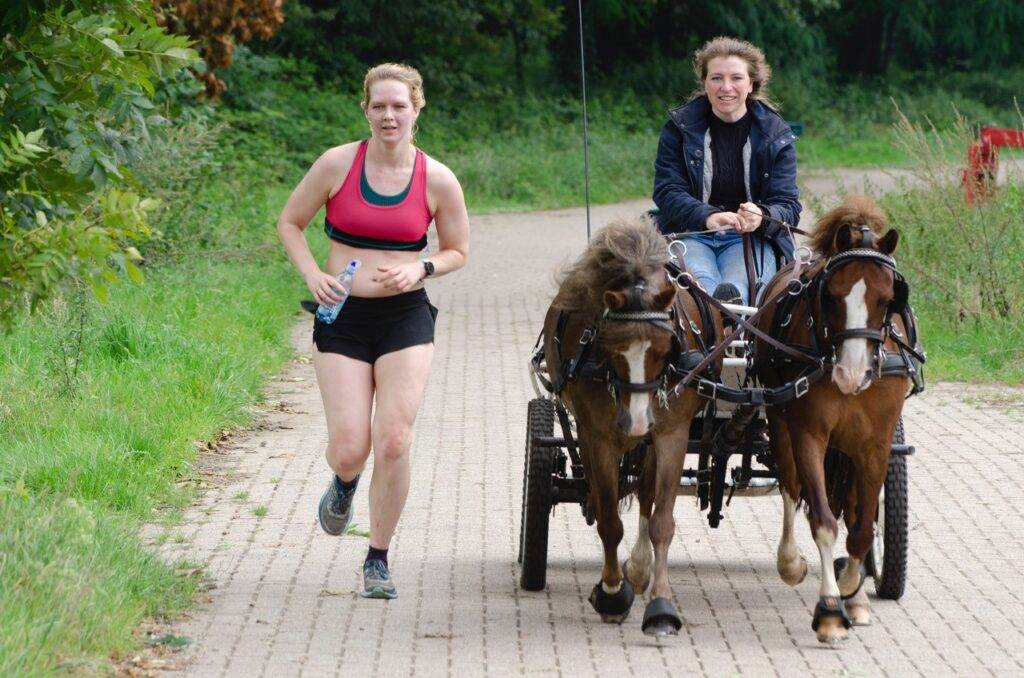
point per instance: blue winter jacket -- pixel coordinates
(682, 171)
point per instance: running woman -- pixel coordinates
(381, 195)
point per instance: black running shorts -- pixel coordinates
(369, 327)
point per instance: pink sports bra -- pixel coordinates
(359, 217)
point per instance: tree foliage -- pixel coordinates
(479, 45)
(77, 91)
(215, 26)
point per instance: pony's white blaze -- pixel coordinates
(639, 401)
(853, 360)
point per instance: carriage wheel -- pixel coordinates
(537, 486)
(887, 559)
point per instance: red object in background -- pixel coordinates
(983, 160)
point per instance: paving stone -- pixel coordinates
(284, 600)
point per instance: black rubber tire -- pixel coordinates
(890, 571)
(537, 490)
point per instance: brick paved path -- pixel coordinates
(284, 602)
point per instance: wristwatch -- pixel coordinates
(428, 267)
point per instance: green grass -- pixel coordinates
(74, 583)
(89, 457)
(991, 351)
(876, 148)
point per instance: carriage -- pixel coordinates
(729, 439)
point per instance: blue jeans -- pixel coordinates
(714, 258)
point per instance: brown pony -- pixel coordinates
(619, 294)
(848, 298)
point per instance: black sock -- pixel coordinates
(346, 486)
(377, 554)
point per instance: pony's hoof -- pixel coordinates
(860, 615)
(794, 575)
(661, 618)
(613, 607)
(832, 632)
(831, 622)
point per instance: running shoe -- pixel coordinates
(377, 580)
(335, 509)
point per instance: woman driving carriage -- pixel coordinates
(725, 160)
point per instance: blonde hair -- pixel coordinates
(406, 75)
(724, 46)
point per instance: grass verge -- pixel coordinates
(94, 442)
(962, 259)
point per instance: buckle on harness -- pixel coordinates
(702, 389)
(586, 336)
(801, 386)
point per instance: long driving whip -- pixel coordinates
(586, 145)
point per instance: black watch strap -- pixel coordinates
(428, 267)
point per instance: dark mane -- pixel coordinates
(853, 211)
(619, 255)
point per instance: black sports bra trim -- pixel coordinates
(363, 242)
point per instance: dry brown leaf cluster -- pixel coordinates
(215, 26)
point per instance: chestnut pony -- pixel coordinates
(845, 310)
(612, 339)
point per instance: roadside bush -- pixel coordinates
(174, 166)
(963, 260)
(76, 101)
(970, 254)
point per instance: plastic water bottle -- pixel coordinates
(328, 314)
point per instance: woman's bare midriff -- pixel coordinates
(363, 286)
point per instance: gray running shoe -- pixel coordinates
(377, 580)
(335, 509)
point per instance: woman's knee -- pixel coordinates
(391, 444)
(347, 450)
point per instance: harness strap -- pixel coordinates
(793, 390)
(573, 367)
(741, 324)
(858, 333)
(748, 260)
(570, 442)
(867, 238)
(709, 333)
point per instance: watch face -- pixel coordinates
(428, 266)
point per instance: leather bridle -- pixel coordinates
(831, 340)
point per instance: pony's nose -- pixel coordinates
(634, 424)
(848, 381)
(623, 420)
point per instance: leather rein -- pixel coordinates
(816, 364)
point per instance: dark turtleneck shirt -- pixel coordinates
(728, 188)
